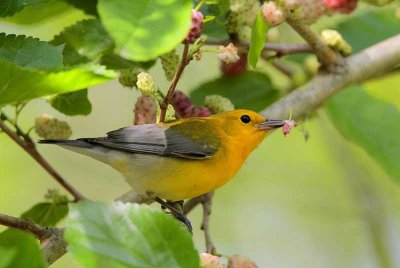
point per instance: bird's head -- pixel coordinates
(247, 127)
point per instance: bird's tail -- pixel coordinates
(82, 147)
(73, 143)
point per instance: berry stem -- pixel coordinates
(184, 62)
(326, 56)
(200, 4)
(280, 49)
(26, 143)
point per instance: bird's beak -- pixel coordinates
(271, 124)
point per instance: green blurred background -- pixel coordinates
(317, 203)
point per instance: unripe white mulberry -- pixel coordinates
(218, 104)
(241, 17)
(335, 40)
(145, 83)
(48, 127)
(128, 77)
(170, 63)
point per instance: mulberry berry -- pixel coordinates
(273, 15)
(343, 6)
(197, 26)
(218, 104)
(145, 111)
(48, 127)
(202, 112)
(182, 104)
(235, 68)
(210, 261)
(128, 77)
(335, 40)
(145, 83)
(239, 261)
(241, 17)
(170, 63)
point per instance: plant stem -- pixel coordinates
(184, 62)
(356, 68)
(51, 238)
(200, 4)
(207, 204)
(23, 225)
(326, 56)
(280, 49)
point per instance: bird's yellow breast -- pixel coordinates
(176, 178)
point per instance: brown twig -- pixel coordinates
(357, 68)
(54, 246)
(191, 204)
(280, 49)
(207, 204)
(184, 62)
(206, 201)
(51, 238)
(24, 225)
(29, 146)
(326, 56)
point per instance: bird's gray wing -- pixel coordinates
(181, 140)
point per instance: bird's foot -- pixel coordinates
(176, 209)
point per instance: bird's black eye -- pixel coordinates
(245, 118)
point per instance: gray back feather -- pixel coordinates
(157, 139)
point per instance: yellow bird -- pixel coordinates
(180, 159)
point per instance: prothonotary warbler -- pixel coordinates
(180, 159)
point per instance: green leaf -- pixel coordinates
(216, 27)
(369, 117)
(127, 235)
(19, 84)
(85, 40)
(7, 256)
(73, 103)
(115, 62)
(30, 52)
(223, 5)
(25, 248)
(145, 29)
(47, 214)
(379, 24)
(10, 7)
(258, 38)
(35, 14)
(88, 6)
(250, 90)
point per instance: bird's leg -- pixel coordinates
(176, 209)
